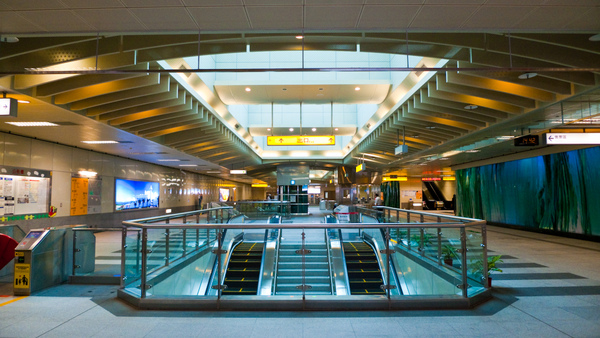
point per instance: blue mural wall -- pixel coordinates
(559, 192)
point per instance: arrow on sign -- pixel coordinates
(550, 138)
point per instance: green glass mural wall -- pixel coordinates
(559, 192)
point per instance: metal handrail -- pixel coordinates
(178, 215)
(304, 225)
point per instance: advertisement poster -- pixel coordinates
(135, 194)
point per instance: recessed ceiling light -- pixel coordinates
(430, 127)
(471, 107)
(188, 165)
(336, 129)
(248, 89)
(291, 129)
(525, 76)
(314, 129)
(168, 160)
(9, 39)
(100, 142)
(299, 37)
(473, 151)
(357, 88)
(23, 101)
(33, 124)
(269, 129)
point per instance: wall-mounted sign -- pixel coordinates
(259, 185)
(360, 167)
(572, 138)
(527, 141)
(328, 140)
(8, 107)
(428, 179)
(392, 179)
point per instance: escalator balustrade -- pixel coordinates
(243, 270)
(364, 274)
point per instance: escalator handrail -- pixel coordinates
(262, 261)
(345, 263)
(276, 268)
(331, 281)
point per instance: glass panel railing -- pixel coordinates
(97, 252)
(132, 259)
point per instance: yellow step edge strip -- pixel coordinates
(13, 300)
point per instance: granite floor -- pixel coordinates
(550, 287)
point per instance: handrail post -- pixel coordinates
(185, 219)
(167, 254)
(74, 251)
(422, 241)
(439, 240)
(123, 249)
(198, 239)
(389, 265)
(144, 263)
(463, 249)
(197, 218)
(486, 276)
(184, 242)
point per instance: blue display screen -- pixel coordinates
(34, 234)
(136, 194)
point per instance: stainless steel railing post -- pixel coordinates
(144, 262)
(167, 238)
(463, 250)
(486, 277)
(123, 256)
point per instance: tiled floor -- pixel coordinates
(550, 288)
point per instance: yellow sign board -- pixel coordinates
(22, 276)
(19, 254)
(79, 196)
(360, 167)
(327, 140)
(401, 179)
(259, 185)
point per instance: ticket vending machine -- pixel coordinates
(22, 282)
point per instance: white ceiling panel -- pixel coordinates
(333, 2)
(110, 19)
(275, 17)
(273, 2)
(387, 16)
(331, 17)
(33, 4)
(588, 21)
(493, 17)
(209, 3)
(233, 94)
(551, 17)
(220, 18)
(152, 3)
(165, 18)
(12, 22)
(56, 20)
(442, 16)
(93, 4)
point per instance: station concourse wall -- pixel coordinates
(557, 192)
(64, 162)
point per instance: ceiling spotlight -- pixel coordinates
(23, 101)
(336, 129)
(314, 129)
(291, 129)
(430, 127)
(471, 107)
(357, 88)
(526, 76)
(248, 89)
(268, 129)
(299, 37)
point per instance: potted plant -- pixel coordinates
(477, 267)
(448, 254)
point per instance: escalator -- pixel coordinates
(428, 199)
(437, 195)
(364, 273)
(243, 270)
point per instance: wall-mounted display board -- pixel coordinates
(131, 194)
(24, 191)
(85, 195)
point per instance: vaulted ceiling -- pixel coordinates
(501, 78)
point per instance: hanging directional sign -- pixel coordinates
(326, 140)
(572, 138)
